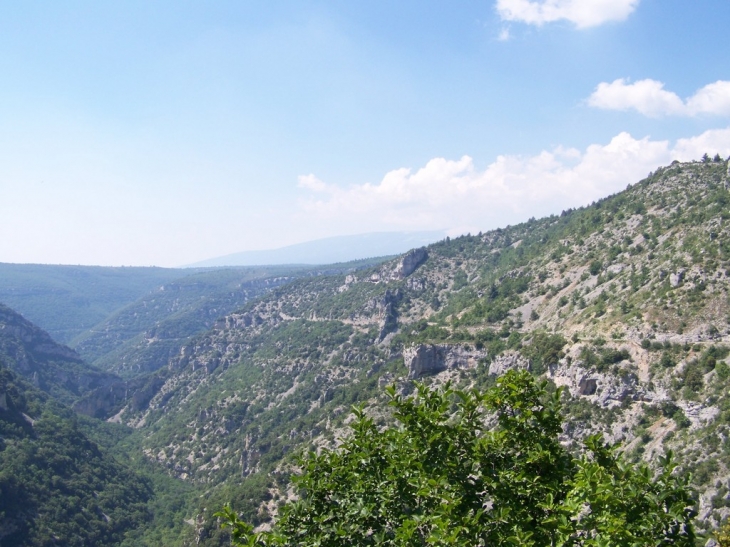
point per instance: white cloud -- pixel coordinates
(651, 99)
(647, 96)
(310, 182)
(714, 141)
(582, 13)
(504, 35)
(457, 196)
(711, 99)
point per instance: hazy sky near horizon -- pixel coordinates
(164, 133)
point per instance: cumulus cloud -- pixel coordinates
(714, 141)
(582, 13)
(310, 182)
(457, 196)
(711, 99)
(651, 99)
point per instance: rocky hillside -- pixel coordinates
(55, 369)
(624, 302)
(142, 336)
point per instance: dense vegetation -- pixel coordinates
(57, 487)
(53, 368)
(67, 300)
(442, 476)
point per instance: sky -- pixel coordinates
(165, 133)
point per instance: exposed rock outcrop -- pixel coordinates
(508, 361)
(389, 323)
(426, 359)
(106, 401)
(676, 278)
(410, 262)
(604, 389)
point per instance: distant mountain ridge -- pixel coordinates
(330, 250)
(67, 300)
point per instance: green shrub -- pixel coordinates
(440, 479)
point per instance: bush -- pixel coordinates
(667, 361)
(723, 370)
(544, 350)
(440, 478)
(723, 535)
(693, 377)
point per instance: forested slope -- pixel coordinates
(67, 300)
(57, 487)
(52, 367)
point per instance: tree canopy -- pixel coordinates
(471, 468)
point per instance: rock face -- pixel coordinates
(676, 278)
(106, 401)
(587, 386)
(426, 359)
(603, 389)
(410, 262)
(698, 414)
(616, 268)
(389, 322)
(508, 361)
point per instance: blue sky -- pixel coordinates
(164, 133)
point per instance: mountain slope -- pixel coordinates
(55, 369)
(625, 303)
(56, 486)
(66, 300)
(142, 336)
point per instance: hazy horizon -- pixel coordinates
(166, 134)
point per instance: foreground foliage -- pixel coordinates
(447, 476)
(723, 535)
